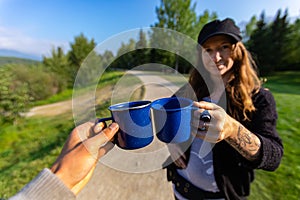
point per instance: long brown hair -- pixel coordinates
(242, 84)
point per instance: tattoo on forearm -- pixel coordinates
(246, 143)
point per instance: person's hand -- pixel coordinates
(219, 128)
(178, 155)
(79, 156)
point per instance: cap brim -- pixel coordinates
(236, 38)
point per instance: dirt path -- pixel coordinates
(66, 106)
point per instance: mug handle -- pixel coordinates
(104, 119)
(114, 140)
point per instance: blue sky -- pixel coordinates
(35, 26)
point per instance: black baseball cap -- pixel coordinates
(218, 27)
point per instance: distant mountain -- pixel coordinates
(17, 54)
(14, 60)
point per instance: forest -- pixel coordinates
(272, 41)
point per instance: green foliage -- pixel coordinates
(27, 148)
(41, 84)
(142, 43)
(133, 54)
(279, 32)
(88, 72)
(292, 57)
(274, 44)
(20, 85)
(35, 143)
(250, 27)
(124, 55)
(80, 57)
(58, 64)
(13, 60)
(106, 58)
(179, 16)
(107, 78)
(257, 45)
(14, 96)
(80, 49)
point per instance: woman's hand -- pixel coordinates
(220, 127)
(223, 127)
(79, 156)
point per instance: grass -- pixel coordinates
(34, 143)
(106, 79)
(27, 148)
(284, 183)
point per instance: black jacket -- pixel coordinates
(233, 173)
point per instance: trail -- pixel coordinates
(66, 106)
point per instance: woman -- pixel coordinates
(241, 135)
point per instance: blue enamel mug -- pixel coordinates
(171, 119)
(135, 124)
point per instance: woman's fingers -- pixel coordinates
(206, 105)
(94, 143)
(180, 162)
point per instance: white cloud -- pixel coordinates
(14, 39)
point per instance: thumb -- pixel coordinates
(110, 131)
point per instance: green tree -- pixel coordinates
(141, 54)
(125, 59)
(269, 42)
(250, 27)
(292, 58)
(279, 40)
(259, 45)
(40, 83)
(89, 70)
(130, 46)
(59, 65)
(142, 42)
(14, 97)
(80, 49)
(180, 16)
(107, 57)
